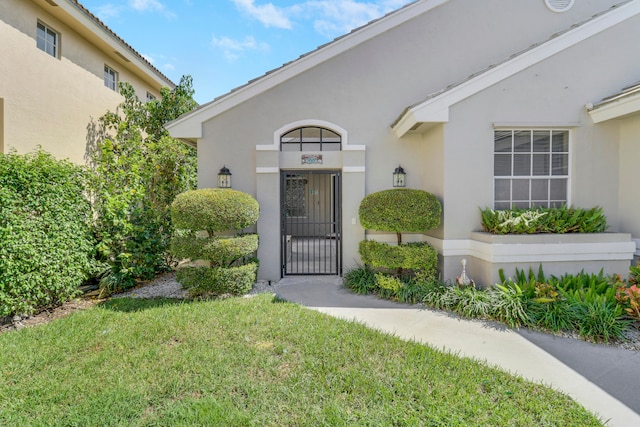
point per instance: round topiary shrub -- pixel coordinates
(232, 266)
(400, 210)
(204, 281)
(214, 210)
(417, 256)
(221, 251)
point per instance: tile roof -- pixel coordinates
(633, 89)
(104, 27)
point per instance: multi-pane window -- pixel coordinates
(150, 97)
(310, 138)
(531, 168)
(295, 196)
(110, 78)
(47, 40)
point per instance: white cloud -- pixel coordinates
(107, 11)
(147, 57)
(268, 14)
(336, 17)
(151, 6)
(330, 18)
(145, 5)
(233, 49)
(168, 67)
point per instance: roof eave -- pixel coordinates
(616, 109)
(437, 104)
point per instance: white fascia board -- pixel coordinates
(616, 109)
(76, 12)
(184, 130)
(637, 242)
(304, 63)
(435, 106)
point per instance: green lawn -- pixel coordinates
(251, 362)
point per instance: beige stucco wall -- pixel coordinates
(363, 90)
(629, 183)
(51, 101)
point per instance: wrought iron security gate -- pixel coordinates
(311, 221)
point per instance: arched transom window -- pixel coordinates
(310, 138)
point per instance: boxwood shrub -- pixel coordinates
(231, 269)
(204, 281)
(408, 256)
(214, 210)
(46, 244)
(221, 251)
(400, 210)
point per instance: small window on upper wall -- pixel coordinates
(150, 97)
(47, 39)
(110, 78)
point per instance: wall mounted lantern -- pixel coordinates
(224, 178)
(399, 177)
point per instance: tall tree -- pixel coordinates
(138, 169)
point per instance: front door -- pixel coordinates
(310, 222)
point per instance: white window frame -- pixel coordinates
(44, 44)
(532, 177)
(111, 83)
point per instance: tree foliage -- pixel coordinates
(138, 169)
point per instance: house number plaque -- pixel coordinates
(312, 159)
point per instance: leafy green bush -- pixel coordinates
(413, 256)
(221, 251)
(230, 269)
(214, 210)
(544, 220)
(205, 281)
(365, 280)
(46, 244)
(400, 210)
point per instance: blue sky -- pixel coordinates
(223, 44)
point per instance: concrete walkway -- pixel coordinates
(605, 380)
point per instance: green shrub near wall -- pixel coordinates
(400, 210)
(232, 266)
(218, 281)
(413, 256)
(45, 239)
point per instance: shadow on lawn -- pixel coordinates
(129, 305)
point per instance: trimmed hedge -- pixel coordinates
(400, 210)
(219, 250)
(46, 244)
(214, 210)
(544, 220)
(413, 256)
(203, 281)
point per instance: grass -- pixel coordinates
(251, 362)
